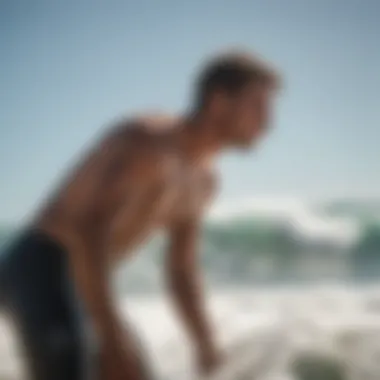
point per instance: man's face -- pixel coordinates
(245, 118)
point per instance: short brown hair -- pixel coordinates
(231, 72)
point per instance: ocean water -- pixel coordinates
(271, 241)
(294, 284)
(266, 241)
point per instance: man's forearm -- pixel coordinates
(118, 359)
(184, 281)
(188, 295)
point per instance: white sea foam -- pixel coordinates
(272, 327)
(306, 220)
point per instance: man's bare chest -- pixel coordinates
(192, 193)
(185, 195)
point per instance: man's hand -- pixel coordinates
(209, 360)
(117, 364)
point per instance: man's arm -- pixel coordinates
(91, 272)
(185, 285)
(103, 180)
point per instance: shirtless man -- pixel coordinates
(145, 174)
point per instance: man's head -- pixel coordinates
(235, 92)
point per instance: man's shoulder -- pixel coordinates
(142, 141)
(133, 132)
(156, 122)
(149, 124)
(150, 131)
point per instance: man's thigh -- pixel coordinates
(40, 298)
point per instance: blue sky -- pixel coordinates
(67, 68)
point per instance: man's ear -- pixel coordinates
(218, 104)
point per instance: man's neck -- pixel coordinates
(197, 139)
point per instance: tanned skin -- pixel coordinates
(149, 173)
